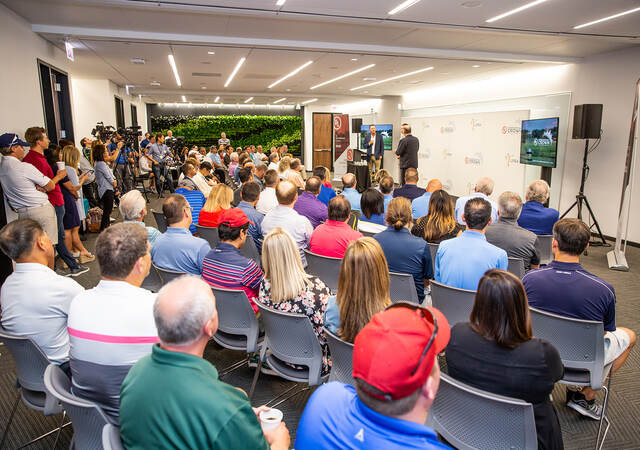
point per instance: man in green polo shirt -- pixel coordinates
(173, 397)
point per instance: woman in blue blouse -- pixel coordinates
(106, 183)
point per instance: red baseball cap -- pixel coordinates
(389, 352)
(234, 217)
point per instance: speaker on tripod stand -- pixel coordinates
(587, 120)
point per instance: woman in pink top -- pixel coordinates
(332, 237)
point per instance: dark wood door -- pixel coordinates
(322, 140)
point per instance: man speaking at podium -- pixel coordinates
(407, 150)
(375, 148)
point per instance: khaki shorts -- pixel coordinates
(615, 343)
(45, 215)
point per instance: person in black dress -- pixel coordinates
(496, 352)
(440, 222)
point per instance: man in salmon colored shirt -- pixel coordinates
(332, 237)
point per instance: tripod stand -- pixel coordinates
(580, 198)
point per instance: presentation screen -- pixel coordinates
(385, 130)
(539, 142)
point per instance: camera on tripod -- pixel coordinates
(103, 132)
(130, 136)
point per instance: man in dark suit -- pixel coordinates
(410, 189)
(407, 150)
(375, 148)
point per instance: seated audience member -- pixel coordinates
(483, 189)
(219, 199)
(326, 190)
(295, 173)
(233, 164)
(461, 261)
(250, 196)
(244, 176)
(286, 286)
(111, 326)
(496, 352)
(173, 398)
(350, 192)
(274, 159)
(34, 299)
(396, 372)
(410, 189)
(372, 207)
(534, 216)
(258, 175)
(133, 208)
(283, 167)
(380, 174)
(386, 189)
(188, 171)
(268, 199)
(511, 237)
(201, 178)
(405, 253)
(440, 223)
(224, 266)
(286, 217)
(308, 204)
(363, 289)
(196, 201)
(177, 249)
(420, 205)
(565, 288)
(332, 237)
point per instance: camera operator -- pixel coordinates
(145, 141)
(123, 157)
(170, 140)
(158, 153)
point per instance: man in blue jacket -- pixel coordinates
(375, 148)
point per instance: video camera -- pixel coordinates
(102, 132)
(130, 136)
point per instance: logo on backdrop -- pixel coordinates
(475, 123)
(512, 159)
(424, 153)
(446, 153)
(447, 185)
(475, 159)
(448, 128)
(510, 130)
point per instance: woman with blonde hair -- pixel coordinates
(440, 222)
(286, 286)
(219, 199)
(283, 168)
(363, 289)
(380, 174)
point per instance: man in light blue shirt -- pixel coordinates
(462, 261)
(483, 189)
(177, 249)
(157, 153)
(420, 205)
(349, 191)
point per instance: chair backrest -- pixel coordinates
(167, 275)
(324, 267)
(579, 342)
(341, 359)
(250, 250)
(433, 248)
(367, 233)
(88, 418)
(236, 317)
(402, 288)
(516, 267)
(290, 338)
(209, 234)
(469, 418)
(455, 303)
(152, 282)
(543, 245)
(30, 360)
(161, 221)
(111, 438)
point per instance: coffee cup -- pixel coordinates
(270, 419)
(60, 165)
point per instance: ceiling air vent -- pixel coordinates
(138, 60)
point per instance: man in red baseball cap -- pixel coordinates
(396, 375)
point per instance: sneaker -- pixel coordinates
(63, 272)
(588, 408)
(75, 254)
(78, 271)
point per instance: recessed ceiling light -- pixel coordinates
(288, 90)
(517, 10)
(248, 100)
(216, 99)
(211, 53)
(343, 76)
(184, 99)
(138, 60)
(392, 78)
(309, 101)
(235, 70)
(475, 66)
(354, 59)
(280, 100)
(615, 16)
(290, 74)
(402, 6)
(172, 63)
(155, 83)
(203, 87)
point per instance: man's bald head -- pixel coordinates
(348, 180)
(485, 185)
(286, 193)
(434, 185)
(183, 309)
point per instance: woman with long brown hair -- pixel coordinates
(363, 289)
(496, 351)
(440, 222)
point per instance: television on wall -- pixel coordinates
(539, 142)
(385, 130)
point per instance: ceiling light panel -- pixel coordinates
(392, 78)
(516, 10)
(402, 6)
(309, 101)
(353, 72)
(604, 19)
(290, 74)
(235, 70)
(280, 100)
(172, 63)
(248, 100)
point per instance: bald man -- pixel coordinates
(410, 189)
(484, 188)
(177, 374)
(350, 192)
(420, 205)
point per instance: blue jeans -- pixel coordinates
(61, 246)
(162, 169)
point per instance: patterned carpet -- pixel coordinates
(578, 433)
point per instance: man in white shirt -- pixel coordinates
(268, 199)
(286, 217)
(200, 178)
(274, 159)
(483, 188)
(111, 326)
(34, 299)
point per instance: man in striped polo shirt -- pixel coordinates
(225, 267)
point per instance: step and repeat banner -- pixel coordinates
(459, 149)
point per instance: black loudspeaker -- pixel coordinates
(587, 120)
(356, 124)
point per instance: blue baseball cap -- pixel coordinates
(8, 140)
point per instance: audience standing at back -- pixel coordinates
(372, 207)
(565, 288)
(308, 204)
(106, 183)
(350, 192)
(534, 216)
(332, 237)
(410, 189)
(363, 289)
(268, 199)
(219, 199)
(483, 189)
(111, 326)
(496, 352)
(440, 223)
(462, 261)
(420, 205)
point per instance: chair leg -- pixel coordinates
(44, 436)
(603, 417)
(306, 388)
(13, 412)
(235, 366)
(55, 443)
(263, 352)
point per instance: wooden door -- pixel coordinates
(322, 140)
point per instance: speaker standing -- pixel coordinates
(375, 149)
(407, 150)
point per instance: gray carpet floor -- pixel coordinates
(578, 432)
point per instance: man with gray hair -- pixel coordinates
(535, 216)
(174, 398)
(133, 208)
(509, 236)
(483, 188)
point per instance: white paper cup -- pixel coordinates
(270, 420)
(60, 165)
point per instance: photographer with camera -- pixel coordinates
(158, 153)
(122, 158)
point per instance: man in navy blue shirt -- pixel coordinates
(534, 216)
(250, 194)
(565, 288)
(396, 375)
(410, 189)
(121, 165)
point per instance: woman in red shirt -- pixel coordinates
(219, 199)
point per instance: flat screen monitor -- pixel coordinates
(539, 142)
(385, 130)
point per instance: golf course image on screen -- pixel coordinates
(539, 142)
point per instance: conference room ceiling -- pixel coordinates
(452, 36)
